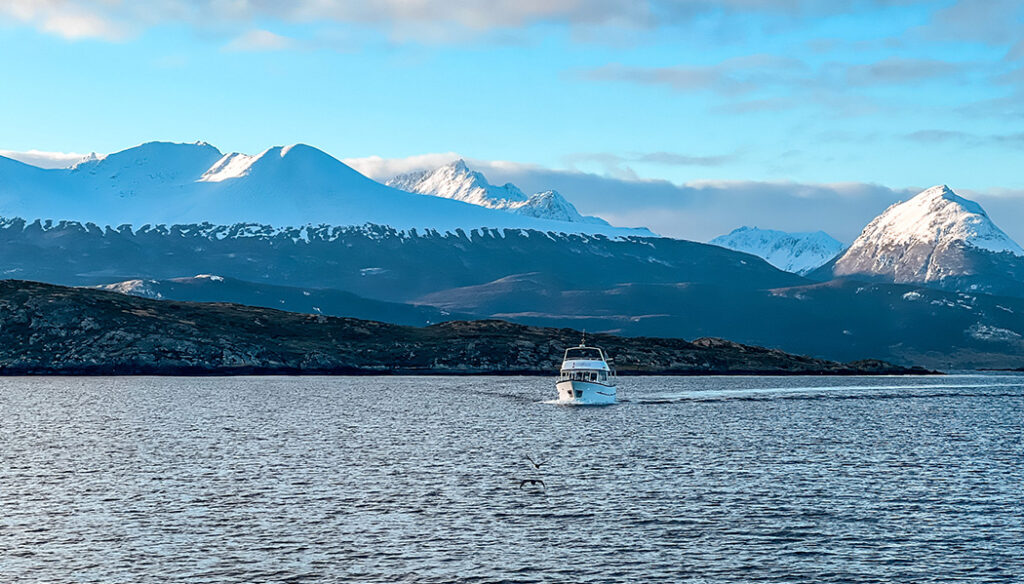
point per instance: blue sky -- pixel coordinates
(897, 93)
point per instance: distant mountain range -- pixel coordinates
(168, 183)
(457, 181)
(376, 262)
(800, 253)
(931, 281)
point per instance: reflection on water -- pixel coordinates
(720, 479)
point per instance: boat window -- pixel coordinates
(586, 353)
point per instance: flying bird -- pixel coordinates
(536, 465)
(532, 482)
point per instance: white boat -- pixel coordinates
(586, 378)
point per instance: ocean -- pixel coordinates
(426, 479)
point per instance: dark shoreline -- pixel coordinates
(50, 330)
(277, 373)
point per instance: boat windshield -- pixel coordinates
(584, 353)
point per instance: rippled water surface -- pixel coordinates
(418, 480)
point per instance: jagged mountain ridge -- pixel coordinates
(937, 238)
(457, 181)
(161, 182)
(799, 253)
(376, 262)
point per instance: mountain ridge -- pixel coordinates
(457, 181)
(797, 252)
(163, 182)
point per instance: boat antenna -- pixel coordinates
(583, 343)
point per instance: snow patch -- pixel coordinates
(234, 165)
(141, 288)
(984, 332)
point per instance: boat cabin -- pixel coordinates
(584, 354)
(597, 376)
(586, 364)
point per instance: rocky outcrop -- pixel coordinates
(46, 329)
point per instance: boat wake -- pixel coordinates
(868, 392)
(577, 403)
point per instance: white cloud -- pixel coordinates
(260, 40)
(382, 169)
(701, 210)
(697, 210)
(403, 20)
(69, 19)
(44, 159)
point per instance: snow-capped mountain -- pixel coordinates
(457, 181)
(161, 182)
(936, 217)
(373, 261)
(799, 253)
(938, 238)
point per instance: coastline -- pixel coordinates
(54, 330)
(102, 371)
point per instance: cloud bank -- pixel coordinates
(44, 159)
(444, 20)
(702, 210)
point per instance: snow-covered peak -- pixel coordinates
(298, 162)
(457, 181)
(799, 253)
(164, 162)
(935, 217)
(552, 205)
(160, 182)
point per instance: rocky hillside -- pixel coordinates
(214, 288)
(46, 329)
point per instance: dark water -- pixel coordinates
(417, 480)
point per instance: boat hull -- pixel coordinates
(585, 392)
